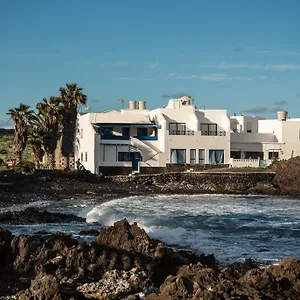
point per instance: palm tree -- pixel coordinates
(22, 117)
(71, 97)
(49, 117)
(35, 139)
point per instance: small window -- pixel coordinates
(125, 131)
(192, 157)
(81, 133)
(128, 156)
(177, 128)
(86, 156)
(142, 131)
(273, 155)
(216, 157)
(208, 129)
(249, 127)
(81, 156)
(178, 156)
(201, 157)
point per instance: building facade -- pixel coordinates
(258, 138)
(137, 139)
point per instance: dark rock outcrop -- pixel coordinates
(124, 263)
(35, 216)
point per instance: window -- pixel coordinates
(142, 131)
(201, 157)
(107, 131)
(178, 156)
(177, 128)
(81, 156)
(126, 131)
(193, 157)
(128, 156)
(254, 155)
(273, 155)
(216, 157)
(235, 154)
(208, 129)
(81, 133)
(86, 156)
(249, 127)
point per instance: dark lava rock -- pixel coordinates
(59, 264)
(35, 216)
(42, 287)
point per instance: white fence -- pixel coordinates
(243, 163)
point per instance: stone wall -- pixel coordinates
(260, 182)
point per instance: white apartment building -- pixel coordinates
(256, 137)
(137, 139)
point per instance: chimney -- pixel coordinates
(282, 115)
(132, 104)
(142, 105)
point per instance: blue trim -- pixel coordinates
(146, 138)
(115, 137)
(126, 124)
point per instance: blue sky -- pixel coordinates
(243, 56)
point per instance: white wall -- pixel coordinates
(85, 142)
(239, 123)
(291, 138)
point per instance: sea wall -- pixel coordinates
(211, 182)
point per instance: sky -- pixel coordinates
(239, 55)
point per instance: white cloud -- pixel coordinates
(154, 65)
(267, 67)
(279, 52)
(224, 77)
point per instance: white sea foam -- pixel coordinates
(231, 227)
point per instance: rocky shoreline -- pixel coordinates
(42, 185)
(124, 263)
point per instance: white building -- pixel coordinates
(137, 139)
(256, 137)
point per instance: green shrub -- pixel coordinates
(24, 167)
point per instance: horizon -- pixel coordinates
(240, 56)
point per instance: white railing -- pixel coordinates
(244, 163)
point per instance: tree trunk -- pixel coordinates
(52, 161)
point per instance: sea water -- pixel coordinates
(231, 227)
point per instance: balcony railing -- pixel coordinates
(213, 133)
(181, 132)
(115, 137)
(126, 138)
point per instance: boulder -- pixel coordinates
(43, 287)
(115, 284)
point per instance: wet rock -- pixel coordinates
(5, 247)
(42, 287)
(114, 284)
(126, 237)
(287, 272)
(35, 216)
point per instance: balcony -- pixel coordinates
(213, 133)
(127, 138)
(181, 132)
